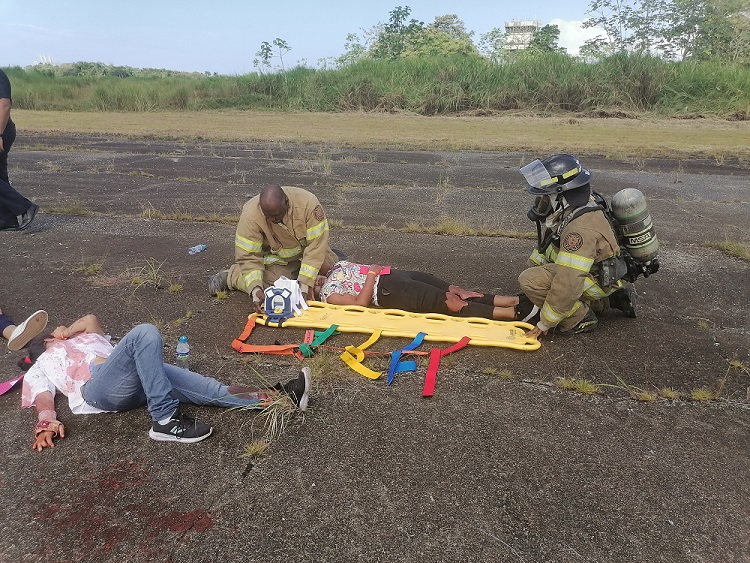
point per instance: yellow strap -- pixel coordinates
(354, 356)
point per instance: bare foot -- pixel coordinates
(464, 293)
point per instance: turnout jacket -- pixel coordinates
(301, 236)
(584, 242)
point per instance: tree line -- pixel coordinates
(675, 30)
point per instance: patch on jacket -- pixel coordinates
(572, 242)
(318, 212)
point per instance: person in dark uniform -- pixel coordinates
(16, 212)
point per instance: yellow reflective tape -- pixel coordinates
(537, 258)
(574, 261)
(273, 259)
(571, 173)
(550, 315)
(317, 230)
(593, 289)
(551, 253)
(252, 279)
(288, 252)
(308, 271)
(247, 245)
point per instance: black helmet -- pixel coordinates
(555, 174)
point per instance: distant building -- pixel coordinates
(518, 34)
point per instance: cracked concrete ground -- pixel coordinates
(500, 464)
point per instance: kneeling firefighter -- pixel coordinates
(579, 268)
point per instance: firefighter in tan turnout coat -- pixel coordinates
(283, 231)
(575, 270)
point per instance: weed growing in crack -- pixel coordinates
(583, 386)
(669, 393)
(149, 275)
(702, 395)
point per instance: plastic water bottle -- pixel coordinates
(183, 352)
(197, 248)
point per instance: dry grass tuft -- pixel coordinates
(256, 449)
(702, 395)
(669, 393)
(583, 386)
(732, 248)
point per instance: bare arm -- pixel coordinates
(88, 323)
(48, 426)
(363, 298)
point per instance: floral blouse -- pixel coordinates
(348, 278)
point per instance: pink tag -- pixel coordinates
(8, 385)
(364, 269)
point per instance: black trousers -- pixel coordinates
(424, 293)
(12, 203)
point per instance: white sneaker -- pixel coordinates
(28, 329)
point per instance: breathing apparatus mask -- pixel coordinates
(541, 209)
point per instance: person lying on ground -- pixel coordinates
(19, 336)
(79, 361)
(349, 283)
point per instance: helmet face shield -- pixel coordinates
(538, 179)
(567, 171)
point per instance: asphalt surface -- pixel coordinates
(500, 465)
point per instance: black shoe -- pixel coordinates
(299, 389)
(587, 324)
(180, 428)
(26, 219)
(340, 254)
(624, 299)
(218, 282)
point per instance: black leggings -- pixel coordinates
(424, 293)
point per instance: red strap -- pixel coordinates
(435, 355)
(279, 349)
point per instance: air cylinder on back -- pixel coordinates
(635, 227)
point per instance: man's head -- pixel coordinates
(273, 203)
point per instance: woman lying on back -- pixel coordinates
(349, 283)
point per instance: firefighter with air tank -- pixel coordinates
(588, 253)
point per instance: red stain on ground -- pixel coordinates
(100, 520)
(193, 521)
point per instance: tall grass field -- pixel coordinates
(622, 85)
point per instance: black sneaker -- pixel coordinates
(181, 428)
(218, 282)
(587, 324)
(299, 389)
(624, 299)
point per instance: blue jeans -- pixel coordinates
(135, 375)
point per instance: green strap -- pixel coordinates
(320, 337)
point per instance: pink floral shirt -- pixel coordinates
(347, 278)
(66, 366)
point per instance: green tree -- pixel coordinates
(396, 35)
(725, 32)
(546, 40)
(673, 29)
(267, 53)
(446, 36)
(492, 44)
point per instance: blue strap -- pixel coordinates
(399, 367)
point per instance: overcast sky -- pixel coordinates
(223, 36)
